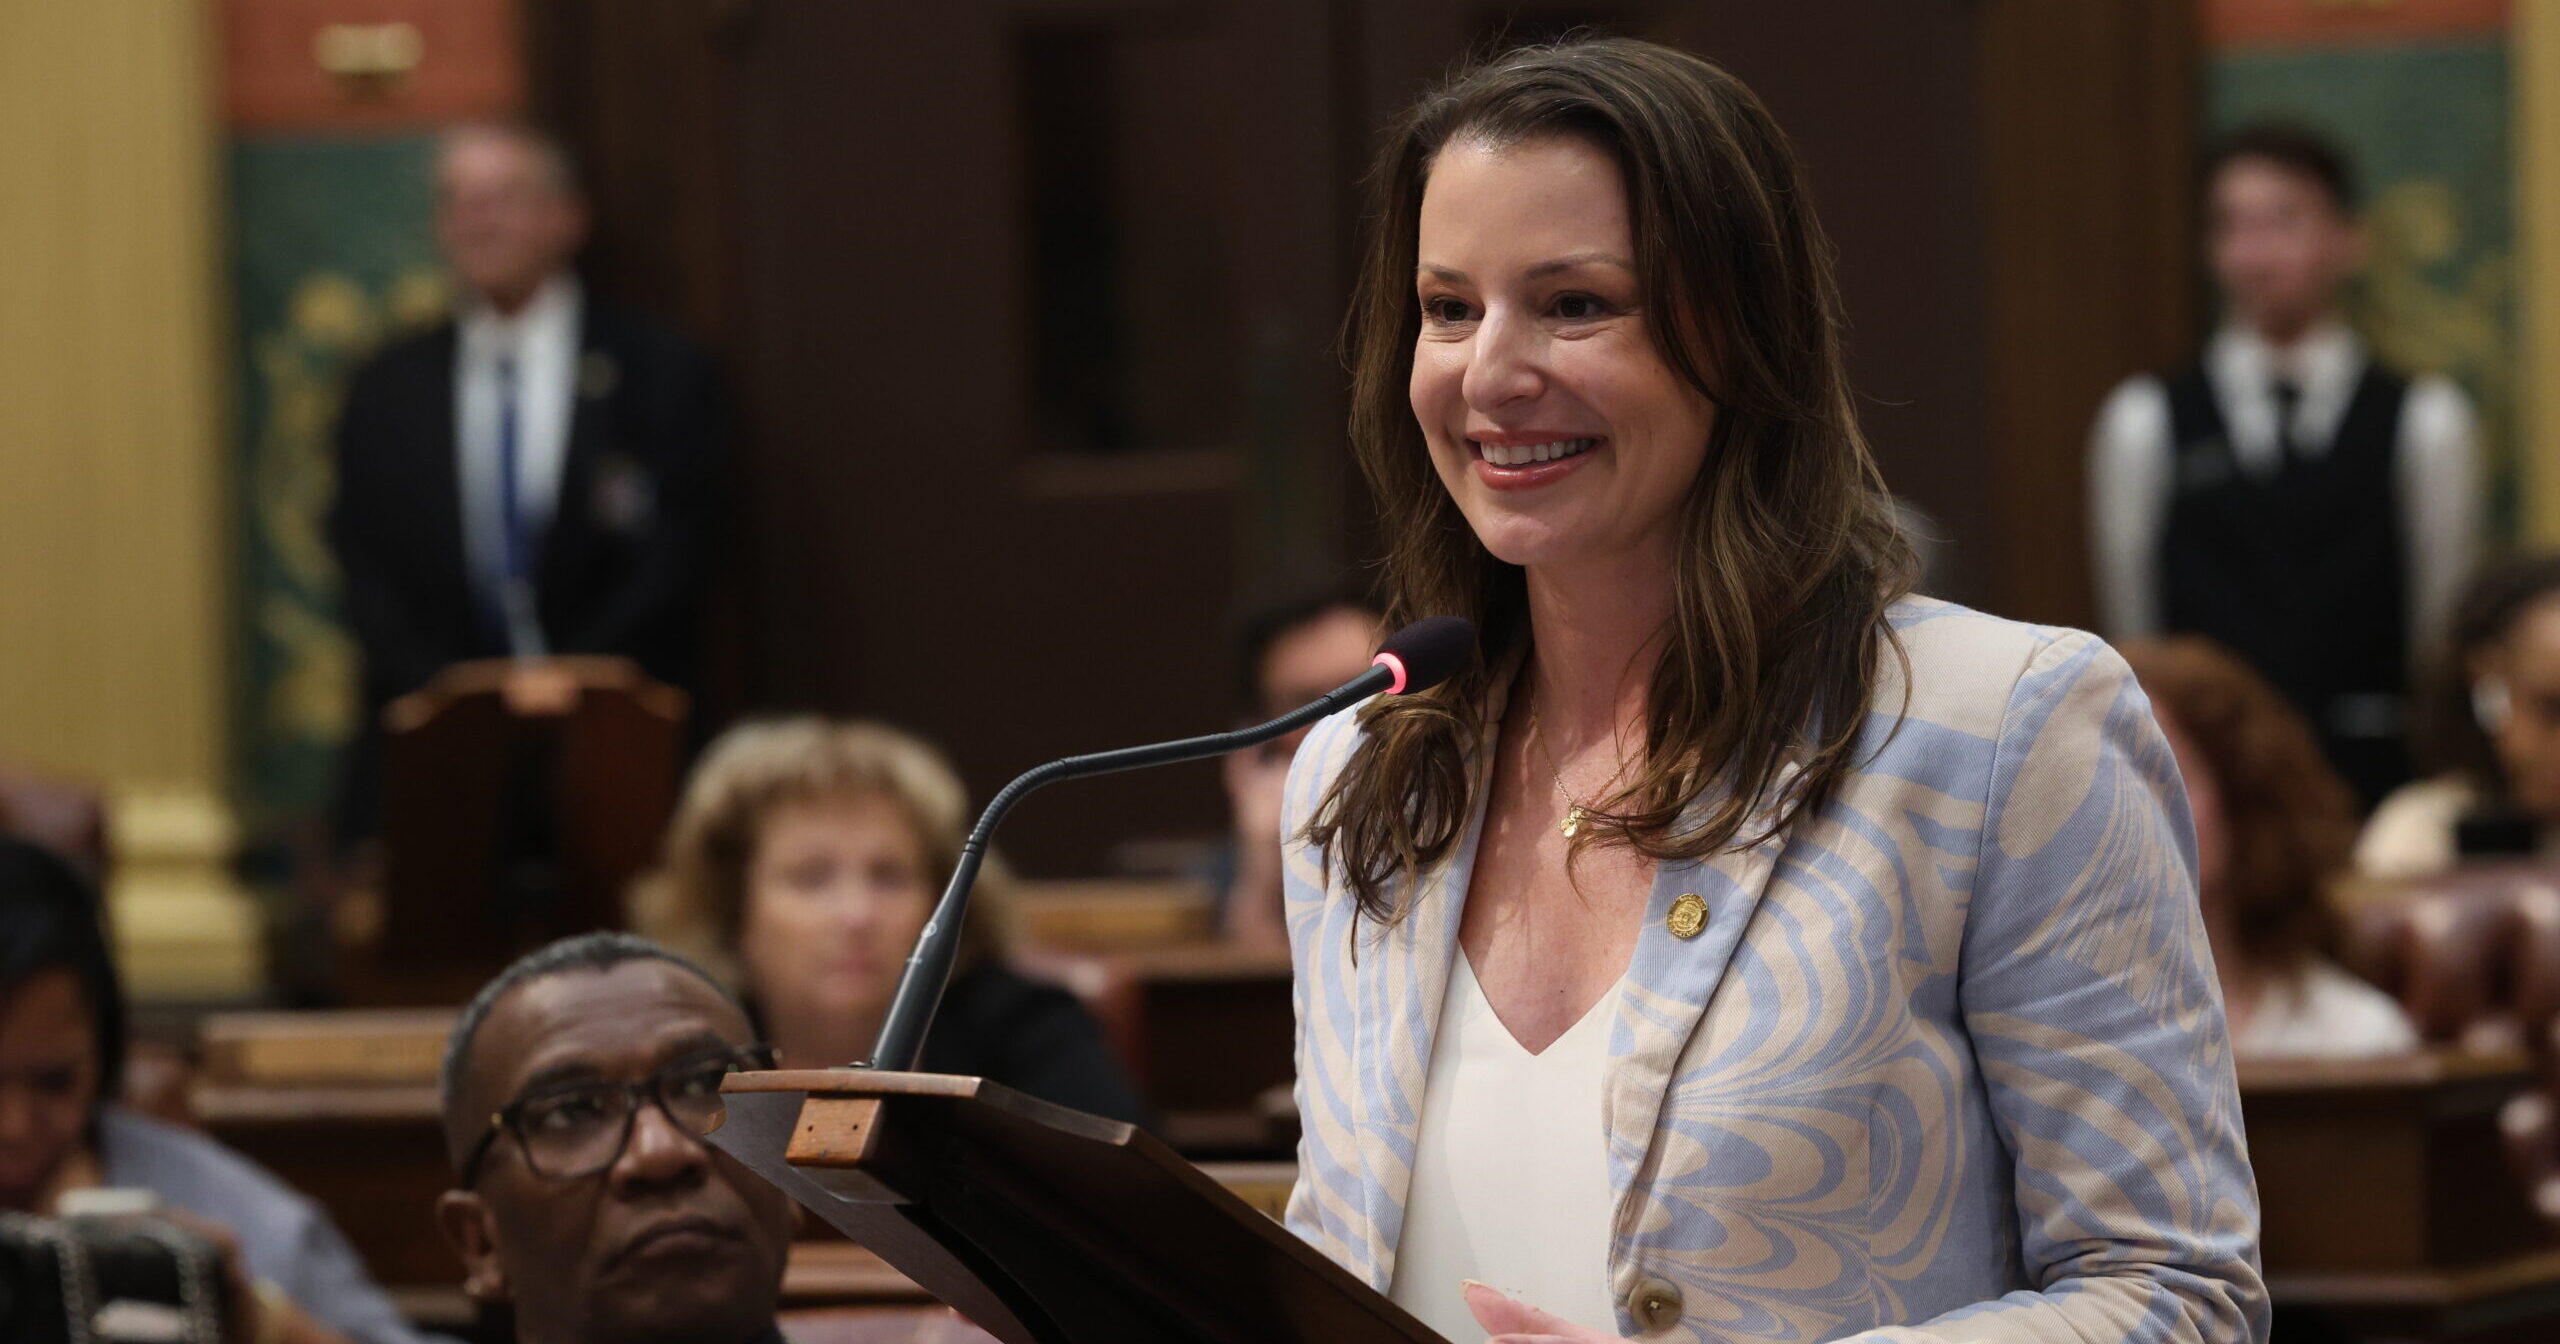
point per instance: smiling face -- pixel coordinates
(836, 893)
(1552, 418)
(675, 1240)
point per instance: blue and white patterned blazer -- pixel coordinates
(1947, 1064)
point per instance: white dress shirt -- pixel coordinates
(542, 339)
(2324, 1014)
(1511, 1179)
(2436, 474)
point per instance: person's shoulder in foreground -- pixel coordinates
(284, 1237)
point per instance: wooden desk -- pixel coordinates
(1104, 914)
(1205, 1029)
(2386, 1165)
(342, 1106)
(2389, 1209)
(852, 1291)
(372, 1156)
(2515, 1300)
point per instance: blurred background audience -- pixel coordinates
(2273, 827)
(2289, 496)
(449, 416)
(804, 861)
(62, 1131)
(2489, 733)
(1290, 649)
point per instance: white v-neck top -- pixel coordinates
(1510, 1170)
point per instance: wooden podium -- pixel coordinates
(502, 828)
(1040, 1224)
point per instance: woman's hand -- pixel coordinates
(1510, 1322)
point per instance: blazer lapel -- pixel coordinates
(1669, 983)
(568, 538)
(438, 486)
(1402, 979)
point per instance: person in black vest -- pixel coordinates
(530, 478)
(2289, 496)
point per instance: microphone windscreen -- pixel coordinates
(1430, 651)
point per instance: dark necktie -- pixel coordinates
(512, 602)
(2288, 395)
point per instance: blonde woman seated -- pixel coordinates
(2274, 825)
(802, 863)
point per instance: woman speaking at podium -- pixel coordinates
(1743, 949)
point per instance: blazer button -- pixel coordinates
(1655, 1304)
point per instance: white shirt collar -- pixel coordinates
(551, 313)
(2243, 367)
(2329, 353)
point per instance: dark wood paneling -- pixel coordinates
(910, 558)
(835, 194)
(1878, 100)
(2088, 134)
(642, 92)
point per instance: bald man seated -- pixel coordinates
(577, 1088)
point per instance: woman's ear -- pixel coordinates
(464, 1219)
(2491, 706)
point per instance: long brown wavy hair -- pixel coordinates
(2290, 819)
(1791, 554)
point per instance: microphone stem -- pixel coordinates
(928, 970)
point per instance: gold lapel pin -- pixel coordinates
(1688, 916)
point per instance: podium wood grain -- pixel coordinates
(1041, 1224)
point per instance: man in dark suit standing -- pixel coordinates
(530, 478)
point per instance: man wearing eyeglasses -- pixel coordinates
(577, 1088)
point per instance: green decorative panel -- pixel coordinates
(2428, 127)
(332, 252)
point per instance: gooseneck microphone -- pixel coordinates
(1416, 658)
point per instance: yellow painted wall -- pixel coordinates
(112, 513)
(110, 542)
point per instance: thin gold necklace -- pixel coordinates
(1575, 813)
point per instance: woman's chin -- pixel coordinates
(849, 998)
(1515, 537)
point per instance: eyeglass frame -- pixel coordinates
(508, 1119)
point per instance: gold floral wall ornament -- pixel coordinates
(331, 323)
(2434, 299)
